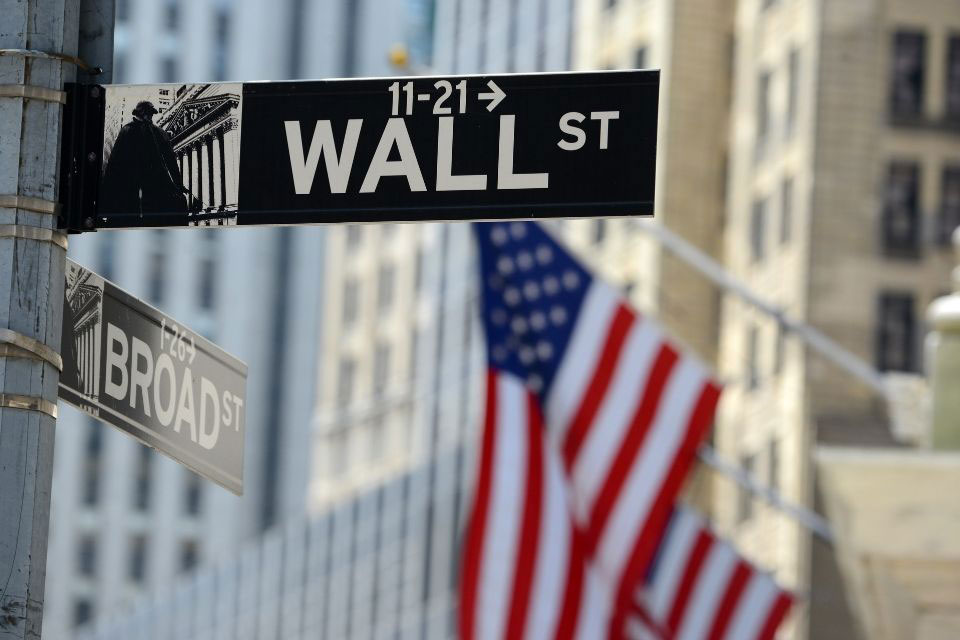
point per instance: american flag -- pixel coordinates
(592, 422)
(699, 587)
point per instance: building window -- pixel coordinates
(87, 556)
(354, 235)
(773, 464)
(953, 78)
(786, 210)
(106, 252)
(599, 231)
(793, 89)
(377, 436)
(414, 346)
(141, 483)
(91, 463)
(949, 204)
(418, 270)
(192, 494)
(137, 564)
(119, 67)
(907, 74)
(896, 333)
(753, 374)
(381, 369)
(221, 47)
(206, 286)
(189, 554)
(640, 58)
(157, 266)
(901, 210)
(168, 69)
(744, 496)
(82, 611)
(345, 382)
(758, 223)
(339, 452)
(763, 111)
(779, 344)
(172, 15)
(385, 286)
(351, 300)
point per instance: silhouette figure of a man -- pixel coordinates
(142, 175)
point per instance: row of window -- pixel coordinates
(142, 479)
(896, 345)
(760, 214)
(381, 372)
(355, 233)
(83, 608)
(902, 222)
(908, 77)
(169, 69)
(753, 355)
(338, 443)
(764, 105)
(157, 266)
(171, 13)
(386, 287)
(902, 227)
(745, 498)
(136, 557)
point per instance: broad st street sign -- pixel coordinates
(390, 149)
(139, 370)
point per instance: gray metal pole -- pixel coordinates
(38, 39)
(95, 46)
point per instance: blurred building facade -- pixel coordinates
(126, 520)
(401, 352)
(842, 195)
(357, 568)
(812, 146)
(400, 339)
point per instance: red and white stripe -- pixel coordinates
(702, 589)
(627, 411)
(525, 574)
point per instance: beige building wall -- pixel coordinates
(761, 420)
(832, 267)
(691, 147)
(689, 41)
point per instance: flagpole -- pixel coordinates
(804, 516)
(820, 342)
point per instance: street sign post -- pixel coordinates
(139, 370)
(390, 149)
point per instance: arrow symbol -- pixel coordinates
(495, 96)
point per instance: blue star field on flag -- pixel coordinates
(532, 292)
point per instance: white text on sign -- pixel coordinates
(151, 384)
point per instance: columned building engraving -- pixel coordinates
(203, 125)
(83, 298)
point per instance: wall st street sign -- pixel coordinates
(390, 149)
(139, 370)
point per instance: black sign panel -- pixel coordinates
(139, 370)
(391, 149)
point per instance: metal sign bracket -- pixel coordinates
(81, 157)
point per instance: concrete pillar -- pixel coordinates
(943, 356)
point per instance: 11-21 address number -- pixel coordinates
(446, 90)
